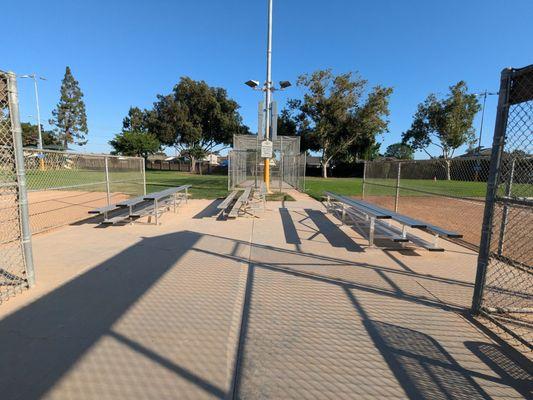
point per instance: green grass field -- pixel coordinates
(203, 186)
(214, 186)
(315, 187)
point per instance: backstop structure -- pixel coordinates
(16, 259)
(504, 281)
(287, 166)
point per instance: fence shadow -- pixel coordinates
(517, 369)
(421, 365)
(42, 341)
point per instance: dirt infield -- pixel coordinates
(462, 216)
(54, 208)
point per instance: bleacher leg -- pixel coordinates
(435, 239)
(156, 211)
(371, 231)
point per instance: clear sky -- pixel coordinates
(123, 53)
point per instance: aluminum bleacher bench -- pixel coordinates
(149, 205)
(359, 210)
(240, 204)
(224, 206)
(247, 203)
(166, 198)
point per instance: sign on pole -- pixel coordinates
(266, 149)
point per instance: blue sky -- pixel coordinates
(123, 53)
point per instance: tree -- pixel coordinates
(335, 118)
(446, 124)
(135, 143)
(195, 118)
(30, 136)
(400, 151)
(135, 138)
(69, 117)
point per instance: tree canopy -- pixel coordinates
(446, 124)
(30, 136)
(195, 118)
(69, 117)
(135, 139)
(400, 151)
(336, 119)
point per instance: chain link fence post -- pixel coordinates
(397, 197)
(143, 172)
(364, 180)
(21, 176)
(107, 183)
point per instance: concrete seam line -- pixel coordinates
(244, 309)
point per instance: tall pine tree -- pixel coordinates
(69, 117)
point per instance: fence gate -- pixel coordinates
(16, 262)
(504, 282)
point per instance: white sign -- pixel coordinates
(266, 149)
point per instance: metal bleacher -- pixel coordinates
(360, 212)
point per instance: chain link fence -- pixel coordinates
(287, 166)
(64, 186)
(447, 193)
(16, 261)
(504, 283)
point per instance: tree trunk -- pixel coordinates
(448, 175)
(324, 169)
(193, 165)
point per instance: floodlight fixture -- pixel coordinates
(284, 84)
(253, 84)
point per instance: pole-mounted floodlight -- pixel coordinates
(284, 85)
(253, 84)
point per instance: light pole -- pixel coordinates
(268, 88)
(34, 77)
(484, 94)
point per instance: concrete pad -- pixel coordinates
(290, 305)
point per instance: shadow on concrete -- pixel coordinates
(517, 369)
(289, 228)
(210, 211)
(422, 366)
(424, 369)
(335, 236)
(42, 341)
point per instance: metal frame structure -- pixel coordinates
(16, 257)
(245, 165)
(504, 282)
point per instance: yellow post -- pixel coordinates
(41, 164)
(266, 174)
